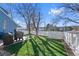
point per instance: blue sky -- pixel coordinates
(45, 10)
(49, 11)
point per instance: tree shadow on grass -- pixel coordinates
(58, 42)
(55, 43)
(58, 46)
(14, 48)
(42, 51)
(20, 46)
(46, 43)
(36, 53)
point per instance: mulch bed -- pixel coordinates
(68, 49)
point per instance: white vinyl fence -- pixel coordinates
(72, 39)
(50, 34)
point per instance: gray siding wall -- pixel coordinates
(9, 24)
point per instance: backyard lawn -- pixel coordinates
(38, 46)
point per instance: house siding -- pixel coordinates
(9, 24)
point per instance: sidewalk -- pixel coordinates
(2, 51)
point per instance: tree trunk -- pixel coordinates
(29, 29)
(36, 31)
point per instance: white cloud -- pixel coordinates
(17, 21)
(56, 11)
(21, 23)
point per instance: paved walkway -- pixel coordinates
(2, 51)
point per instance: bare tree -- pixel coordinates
(30, 13)
(36, 18)
(67, 20)
(25, 11)
(74, 8)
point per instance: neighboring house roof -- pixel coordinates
(6, 13)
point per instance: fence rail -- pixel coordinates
(50, 34)
(72, 39)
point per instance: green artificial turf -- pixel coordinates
(38, 46)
